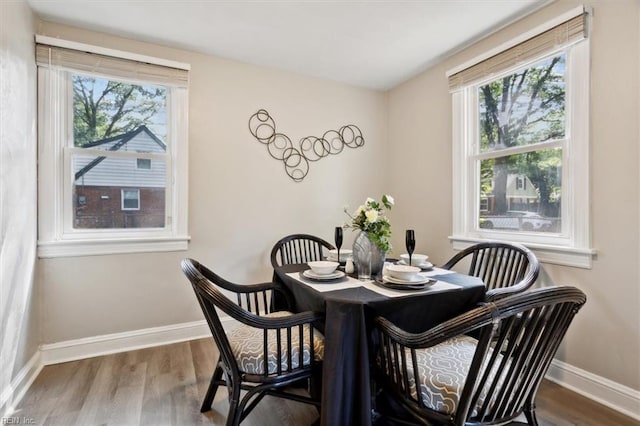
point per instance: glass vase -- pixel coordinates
(368, 257)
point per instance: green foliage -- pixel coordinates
(486, 176)
(104, 108)
(371, 219)
(522, 108)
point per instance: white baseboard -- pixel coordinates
(618, 397)
(12, 395)
(72, 350)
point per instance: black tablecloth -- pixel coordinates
(346, 391)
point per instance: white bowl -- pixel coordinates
(344, 254)
(323, 267)
(416, 259)
(403, 272)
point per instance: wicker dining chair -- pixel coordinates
(298, 248)
(265, 353)
(505, 268)
(464, 381)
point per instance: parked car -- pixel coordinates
(516, 220)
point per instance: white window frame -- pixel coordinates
(56, 236)
(122, 198)
(572, 246)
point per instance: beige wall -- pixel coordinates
(604, 339)
(241, 200)
(18, 307)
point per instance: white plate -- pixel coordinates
(405, 287)
(425, 265)
(420, 279)
(308, 273)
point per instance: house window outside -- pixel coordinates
(484, 203)
(98, 163)
(130, 199)
(521, 145)
(143, 163)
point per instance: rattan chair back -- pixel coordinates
(298, 248)
(505, 268)
(492, 379)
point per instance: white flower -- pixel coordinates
(370, 218)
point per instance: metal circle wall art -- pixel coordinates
(296, 159)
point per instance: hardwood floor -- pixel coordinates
(165, 385)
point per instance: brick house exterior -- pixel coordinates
(117, 192)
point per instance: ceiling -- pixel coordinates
(369, 43)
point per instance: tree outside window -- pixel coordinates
(521, 122)
(103, 108)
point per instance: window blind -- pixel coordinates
(95, 63)
(558, 37)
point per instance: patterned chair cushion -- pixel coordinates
(442, 371)
(247, 344)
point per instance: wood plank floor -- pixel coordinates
(165, 386)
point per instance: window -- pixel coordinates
(106, 143)
(143, 163)
(520, 120)
(130, 199)
(521, 137)
(113, 129)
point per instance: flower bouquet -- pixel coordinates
(373, 242)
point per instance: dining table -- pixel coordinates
(350, 306)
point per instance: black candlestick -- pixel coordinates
(338, 239)
(410, 241)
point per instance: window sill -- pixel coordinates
(76, 248)
(557, 255)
